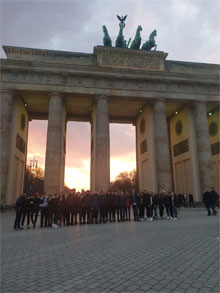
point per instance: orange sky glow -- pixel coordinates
(77, 170)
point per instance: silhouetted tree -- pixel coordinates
(33, 180)
(125, 181)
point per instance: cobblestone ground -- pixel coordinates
(159, 256)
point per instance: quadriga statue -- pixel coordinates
(106, 39)
(151, 42)
(137, 40)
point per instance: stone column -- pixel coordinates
(203, 147)
(7, 101)
(55, 151)
(100, 146)
(162, 152)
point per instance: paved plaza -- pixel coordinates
(159, 256)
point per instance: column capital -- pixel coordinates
(196, 102)
(157, 99)
(50, 94)
(102, 97)
(159, 105)
(8, 91)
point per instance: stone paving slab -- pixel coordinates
(159, 256)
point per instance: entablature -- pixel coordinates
(42, 70)
(81, 82)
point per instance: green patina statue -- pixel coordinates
(137, 40)
(122, 20)
(151, 42)
(107, 42)
(120, 41)
(136, 43)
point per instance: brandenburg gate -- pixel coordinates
(174, 106)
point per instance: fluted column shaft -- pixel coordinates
(7, 100)
(55, 151)
(162, 152)
(101, 145)
(203, 147)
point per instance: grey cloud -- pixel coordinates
(77, 25)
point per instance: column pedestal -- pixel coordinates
(56, 143)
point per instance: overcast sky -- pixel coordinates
(187, 30)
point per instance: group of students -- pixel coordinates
(69, 208)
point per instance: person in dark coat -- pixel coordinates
(141, 205)
(26, 211)
(214, 196)
(128, 206)
(117, 204)
(88, 206)
(134, 203)
(113, 207)
(95, 204)
(35, 207)
(50, 211)
(55, 210)
(122, 206)
(102, 213)
(65, 208)
(82, 214)
(161, 203)
(206, 201)
(180, 200)
(74, 207)
(191, 200)
(19, 209)
(174, 204)
(209, 199)
(184, 200)
(149, 206)
(155, 205)
(110, 206)
(168, 206)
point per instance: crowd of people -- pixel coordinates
(71, 207)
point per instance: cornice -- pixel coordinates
(42, 52)
(48, 68)
(60, 60)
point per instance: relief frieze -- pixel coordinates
(130, 62)
(44, 78)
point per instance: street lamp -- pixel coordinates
(33, 166)
(33, 163)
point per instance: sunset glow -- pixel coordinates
(77, 170)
